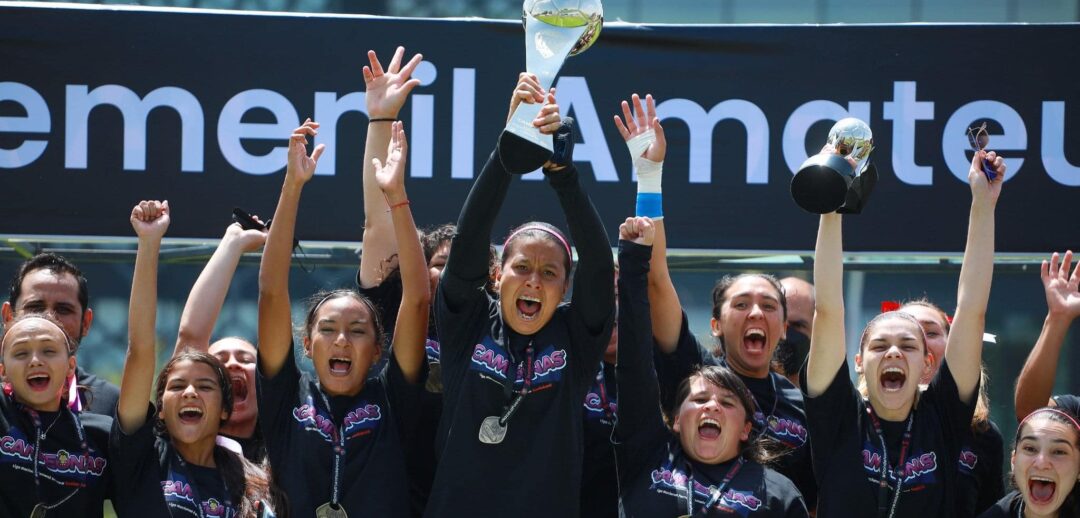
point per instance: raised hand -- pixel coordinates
(391, 175)
(983, 189)
(247, 240)
(301, 166)
(527, 90)
(639, 125)
(386, 91)
(638, 230)
(1062, 295)
(150, 218)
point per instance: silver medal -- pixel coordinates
(38, 511)
(328, 510)
(491, 432)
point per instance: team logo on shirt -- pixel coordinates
(359, 421)
(491, 359)
(179, 495)
(918, 469)
(15, 448)
(968, 460)
(671, 482)
(789, 432)
(432, 350)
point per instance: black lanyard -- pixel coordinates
(715, 494)
(898, 471)
(513, 400)
(338, 439)
(605, 405)
(39, 435)
(182, 464)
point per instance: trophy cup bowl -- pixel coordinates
(554, 29)
(827, 182)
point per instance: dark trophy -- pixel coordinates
(827, 182)
(554, 29)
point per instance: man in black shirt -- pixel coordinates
(48, 283)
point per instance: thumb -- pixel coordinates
(318, 152)
(976, 159)
(165, 207)
(376, 163)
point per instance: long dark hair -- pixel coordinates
(757, 448)
(248, 483)
(1070, 507)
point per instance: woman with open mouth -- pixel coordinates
(335, 441)
(516, 367)
(708, 463)
(1045, 468)
(895, 453)
(165, 455)
(72, 477)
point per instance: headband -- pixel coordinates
(1045, 410)
(558, 237)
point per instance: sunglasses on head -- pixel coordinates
(978, 139)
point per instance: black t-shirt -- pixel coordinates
(1068, 403)
(847, 452)
(1007, 507)
(254, 447)
(654, 473)
(420, 458)
(301, 433)
(982, 477)
(152, 479)
(599, 482)
(543, 447)
(780, 411)
(98, 396)
(63, 465)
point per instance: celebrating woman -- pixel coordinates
(165, 454)
(894, 453)
(334, 442)
(516, 368)
(1045, 467)
(713, 464)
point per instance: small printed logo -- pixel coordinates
(968, 460)
(790, 432)
(365, 416)
(919, 468)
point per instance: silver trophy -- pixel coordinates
(554, 29)
(827, 182)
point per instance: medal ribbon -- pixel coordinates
(508, 385)
(40, 436)
(898, 471)
(715, 494)
(339, 453)
(604, 404)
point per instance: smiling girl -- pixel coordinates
(894, 454)
(334, 441)
(165, 453)
(54, 458)
(709, 462)
(1045, 467)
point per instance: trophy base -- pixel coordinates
(821, 185)
(520, 155)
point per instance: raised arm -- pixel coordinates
(594, 293)
(208, 293)
(645, 140)
(468, 258)
(275, 313)
(828, 339)
(410, 331)
(150, 219)
(1035, 385)
(385, 93)
(963, 351)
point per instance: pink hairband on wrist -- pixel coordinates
(558, 238)
(1043, 410)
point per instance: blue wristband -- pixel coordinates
(649, 205)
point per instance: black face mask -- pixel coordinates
(792, 351)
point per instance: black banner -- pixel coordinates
(101, 107)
